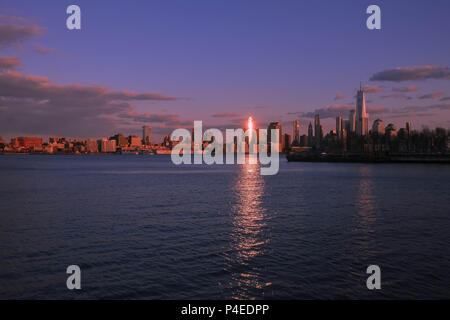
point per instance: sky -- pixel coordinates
(168, 63)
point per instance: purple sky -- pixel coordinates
(167, 63)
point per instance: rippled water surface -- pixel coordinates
(142, 228)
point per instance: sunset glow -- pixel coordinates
(250, 123)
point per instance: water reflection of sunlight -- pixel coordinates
(365, 204)
(248, 238)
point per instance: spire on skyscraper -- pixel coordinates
(362, 118)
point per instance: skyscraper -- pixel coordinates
(346, 126)
(121, 140)
(339, 127)
(317, 131)
(91, 146)
(391, 130)
(362, 118)
(107, 145)
(408, 127)
(275, 125)
(134, 141)
(146, 133)
(310, 135)
(304, 141)
(352, 121)
(296, 132)
(286, 142)
(378, 127)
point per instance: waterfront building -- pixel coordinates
(402, 133)
(310, 135)
(304, 141)
(320, 136)
(275, 125)
(54, 139)
(121, 140)
(318, 131)
(316, 125)
(26, 142)
(146, 134)
(391, 130)
(362, 117)
(409, 128)
(47, 148)
(134, 141)
(91, 146)
(167, 141)
(286, 142)
(296, 132)
(339, 127)
(378, 127)
(107, 146)
(352, 121)
(346, 126)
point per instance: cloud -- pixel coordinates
(37, 105)
(433, 95)
(415, 73)
(328, 111)
(397, 95)
(376, 110)
(18, 85)
(168, 120)
(9, 62)
(406, 89)
(373, 89)
(336, 110)
(442, 107)
(418, 111)
(38, 48)
(339, 96)
(13, 19)
(259, 107)
(14, 30)
(129, 95)
(400, 92)
(224, 115)
(444, 99)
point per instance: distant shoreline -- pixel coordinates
(78, 154)
(299, 157)
(356, 158)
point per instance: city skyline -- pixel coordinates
(87, 84)
(358, 123)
